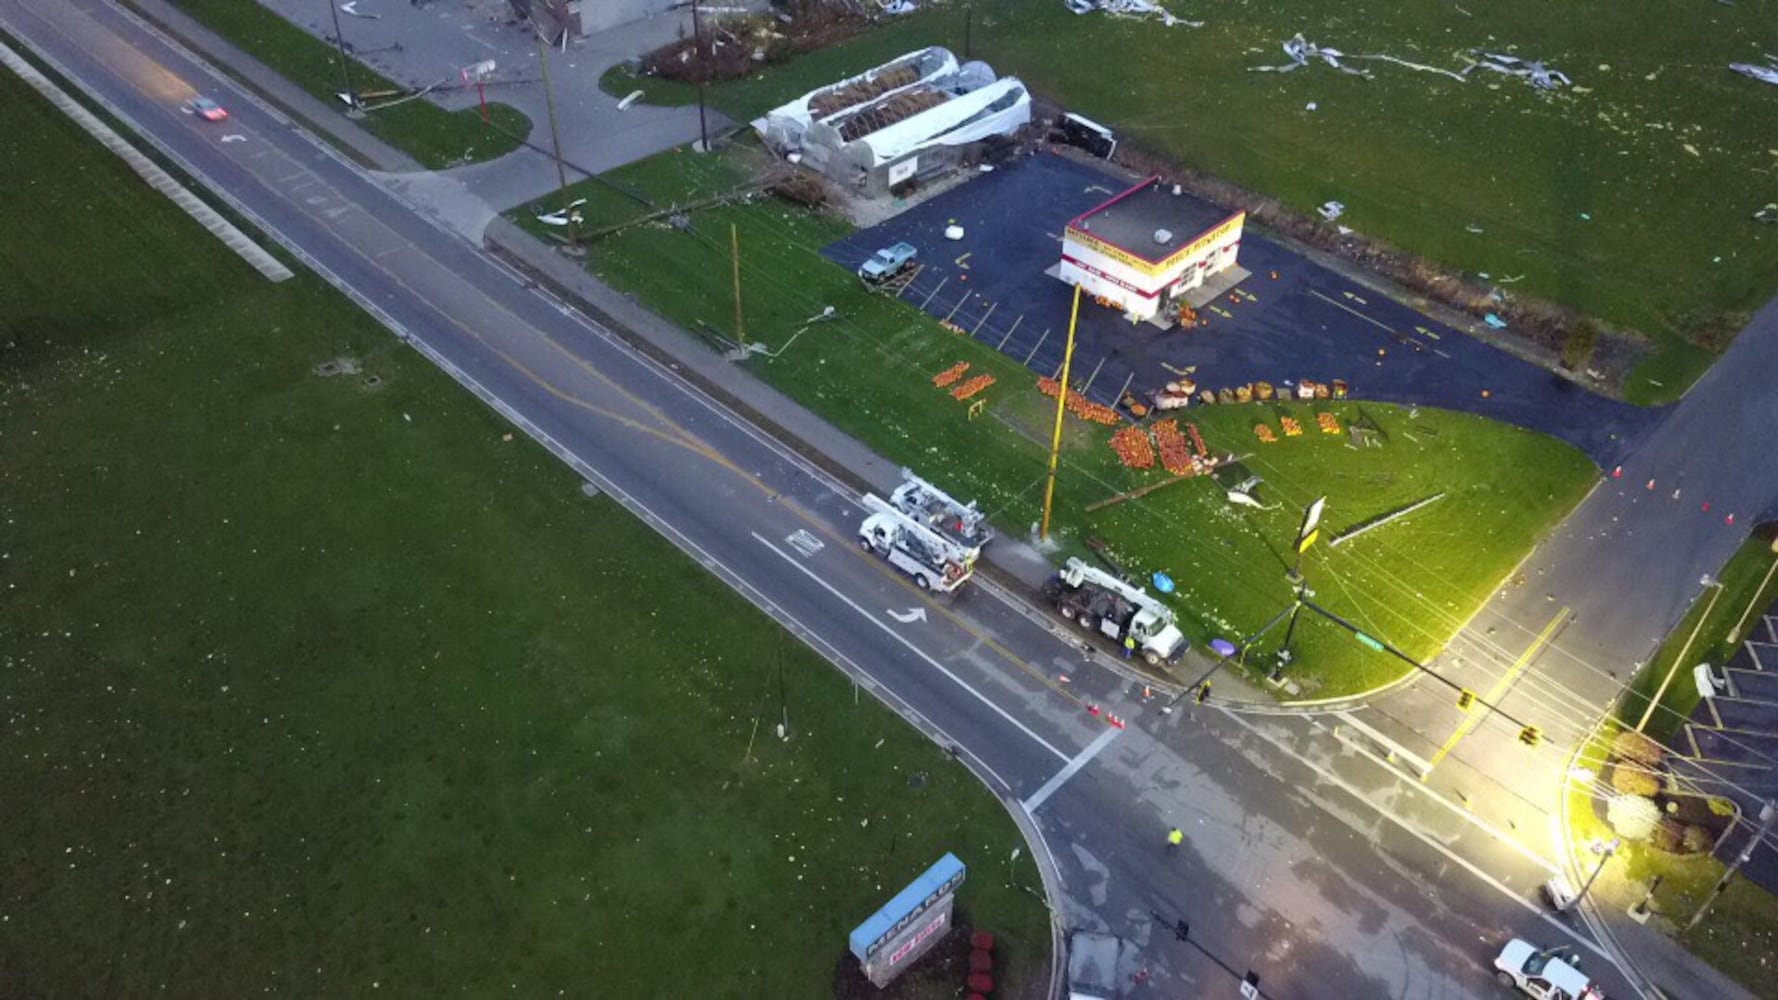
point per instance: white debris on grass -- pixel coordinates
(1764, 74)
(1141, 10)
(1302, 52)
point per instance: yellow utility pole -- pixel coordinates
(1672, 669)
(734, 246)
(1049, 489)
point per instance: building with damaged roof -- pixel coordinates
(910, 118)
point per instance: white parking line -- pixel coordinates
(917, 651)
(1080, 760)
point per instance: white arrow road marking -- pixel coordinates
(917, 651)
(232, 137)
(909, 617)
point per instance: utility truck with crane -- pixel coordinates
(961, 522)
(934, 560)
(1099, 602)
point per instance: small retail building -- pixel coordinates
(1152, 250)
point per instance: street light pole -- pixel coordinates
(1655, 702)
(555, 138)
(1604, 856)
(697, 49)
(333, 7)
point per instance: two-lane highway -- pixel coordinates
(1289, 871)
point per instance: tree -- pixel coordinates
(1639, 748)
(1579, 345)
(1696, 839)
(1626, 777)
(1633, 816)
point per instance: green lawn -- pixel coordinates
(1414, 581)
(1629, 196)
(427, 132)
(324, 688)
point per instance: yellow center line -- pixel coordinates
(1471, 719)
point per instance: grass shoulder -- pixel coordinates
(355, 689)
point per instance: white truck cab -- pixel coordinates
(1549, 974)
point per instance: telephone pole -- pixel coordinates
(1049, 489)
(1767, 814)
(697, 48)
(555, 138)
(339, 40)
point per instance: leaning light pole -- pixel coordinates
(339, 40)
(555, 137)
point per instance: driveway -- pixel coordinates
(431, 43)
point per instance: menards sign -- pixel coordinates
(1217, 234)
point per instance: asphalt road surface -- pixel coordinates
(1306, 862)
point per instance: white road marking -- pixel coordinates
(805, 541)
(908, 617)
(1341, 305)
(917, 651)
(1080, 760)
(1429, 841)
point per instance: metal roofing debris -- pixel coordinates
(1533, 71)
(1764, 74)
(1139, 9)
(1302, 53)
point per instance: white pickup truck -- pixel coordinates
(1547, 974)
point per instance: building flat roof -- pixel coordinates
(1129, 220)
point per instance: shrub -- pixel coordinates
(1633, 816)
(1666, 835)
(1633, 780)
(1634, 746)
(1579, 345)
(1696, 839)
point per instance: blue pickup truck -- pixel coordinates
(887, 263)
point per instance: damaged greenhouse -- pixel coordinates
(909, 119)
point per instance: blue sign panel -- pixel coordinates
(939, 881)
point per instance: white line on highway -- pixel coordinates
(1080, 760)
(1424, 838)
(917, 651)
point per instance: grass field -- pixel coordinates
(1629, 196)
(427, 132)
(321, 688)
(1414, 581)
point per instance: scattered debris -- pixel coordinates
(1764, 74)
(1311, 106)
(1332, 210)
(1494, 321)
(351, 7)
(626, 103)
(1768, 214)
(1453, 74)
(559, 217)
(1143, 10)
(1535, 72)
(1382, 519)
(1473, 228)
(1301, 51)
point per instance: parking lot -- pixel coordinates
(1291, 320)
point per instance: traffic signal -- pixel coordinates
(1203, 693)
(1530, 736)
(1466, 699)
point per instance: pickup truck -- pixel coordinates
(887, 263)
